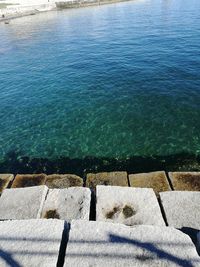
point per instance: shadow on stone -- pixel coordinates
(93, 206)
(159, 253)
(63, 245)
(192, 234)
(9, 260)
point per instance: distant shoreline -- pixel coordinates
(18, 11)
(79, 4)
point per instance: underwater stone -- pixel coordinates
(67, 204)
(5, 179)
(63, 180)
(156, 180)
(189, 181)
(31, 242)
(130, 206)
(107, 178)
(106, 244)
(27, 180)
(22, 203)
(182, 208)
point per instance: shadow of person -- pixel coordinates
(7, 257)
(149, 247)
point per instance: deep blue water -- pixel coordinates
(117, 81)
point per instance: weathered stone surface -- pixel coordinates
(107, 178)
(105, 244)
(156, 180)
(22, 203)
(70, 203)
(30, 243)
(189, 181)
(27, 180)
(182, 208)
(127, 205)
(5, 179)
(63, 180)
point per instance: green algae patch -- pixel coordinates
(118, 178)
(52, 214)
(63, 181)
(185, 181)
(128, 211)
(110, 214)
(28, 180)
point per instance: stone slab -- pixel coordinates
(107, 178)
(156, 180)
(27, 180)
(63, 180)
(30, 243)
(127, 205)
(5, 179)
(115, 245)
(189, 181)
(68, 204)
(182, 208)
(22, 203)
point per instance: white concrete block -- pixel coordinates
(103, 244)
(68, 204)
(30, 243)
(127, 205)
(182, 208)
(22, 203)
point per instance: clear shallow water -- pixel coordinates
(112, 81)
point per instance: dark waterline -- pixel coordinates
(100, 88)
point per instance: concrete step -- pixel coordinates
(115, 245)
(128, 205)
(22, 203)
(40, 202)
(155, 180)
(182, 208)
(31, 243)
(39, 242)
(67, 204)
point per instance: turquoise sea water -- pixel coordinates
(113, 81)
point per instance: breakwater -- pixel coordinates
(17, 11)
(80, 3)
(159, 181)
(105, 218)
